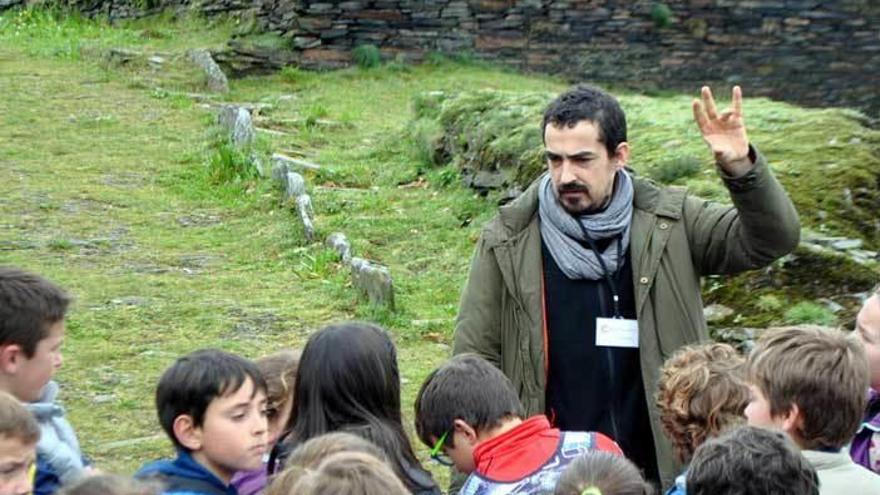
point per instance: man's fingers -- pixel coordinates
(727, 115)
(737, 100)
(700, 115)
(709, 102)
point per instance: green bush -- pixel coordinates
(661, 14)
(229, 164)
(675, 168)
(295, 75)
(769, 302)
(367, 56)
(808, 312)
(427, 138)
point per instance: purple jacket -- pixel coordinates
(250, 482)
(865, 447)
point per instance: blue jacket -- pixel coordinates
(679, 487)
(185, 476)
(59, 459)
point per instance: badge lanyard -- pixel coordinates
(609, 278)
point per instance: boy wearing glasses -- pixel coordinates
(471, 416)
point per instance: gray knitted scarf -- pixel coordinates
(563, 236)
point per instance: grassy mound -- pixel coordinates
(828, 161)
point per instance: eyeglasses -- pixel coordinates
(437, 453)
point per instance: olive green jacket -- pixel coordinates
(675, 239)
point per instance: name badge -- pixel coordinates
(617, 332)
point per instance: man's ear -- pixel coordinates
(466, 430)
(187, 433)
(621, 155)
(11, 357)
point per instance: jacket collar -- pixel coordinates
(827, 460)
(184, 471)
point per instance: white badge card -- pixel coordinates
(617, 332)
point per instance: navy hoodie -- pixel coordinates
(185, 476)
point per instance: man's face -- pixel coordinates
(580, 168)
(234, 434)
(868, 331)
(16, 463)
(33, 373)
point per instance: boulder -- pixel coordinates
(339, 243)
(373, 281)
(216, 79)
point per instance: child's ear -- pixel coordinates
(187, 433)
(465, 429)
(793, 421)
(10, 358)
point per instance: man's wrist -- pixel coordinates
(735, 169)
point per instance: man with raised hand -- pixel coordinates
(582, 287)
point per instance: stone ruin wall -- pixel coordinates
(809, 52)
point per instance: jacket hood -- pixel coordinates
(45, 407)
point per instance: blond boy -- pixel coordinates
(19, 433)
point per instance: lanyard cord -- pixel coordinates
(609, 278)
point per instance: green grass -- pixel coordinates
(107, 186)
(105, 178)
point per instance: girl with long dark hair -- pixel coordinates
(348, 381)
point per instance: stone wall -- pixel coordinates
(809, 52)
(815, 53)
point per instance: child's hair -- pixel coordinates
(819, 371)
(310, 454)
(111, 484)
(469, 388)
(350, 473)
(348, 380)
(602, 473)
(751, 461)
(279, 371)
(29, 306)
(701, 393)
(194, 380)
(17, 422)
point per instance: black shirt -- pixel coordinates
(591, 388)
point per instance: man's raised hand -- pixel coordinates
(725, 133)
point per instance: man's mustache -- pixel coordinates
(573, 187)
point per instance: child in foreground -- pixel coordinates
(279, 371)
(32, 312)
(811, 383)
(19, 433)
(602, 473)
(349, 473)
(468, 411)
(212, 405)
(309, 456)
(751, 461)
(701, 393)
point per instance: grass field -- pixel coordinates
(105, 188)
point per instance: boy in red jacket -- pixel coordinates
(471, 416)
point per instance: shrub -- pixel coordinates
(675, 168)
(808, 312)
(769, 302)
(367, 56)
(427, 138)
(661, 14)
(229, 164)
